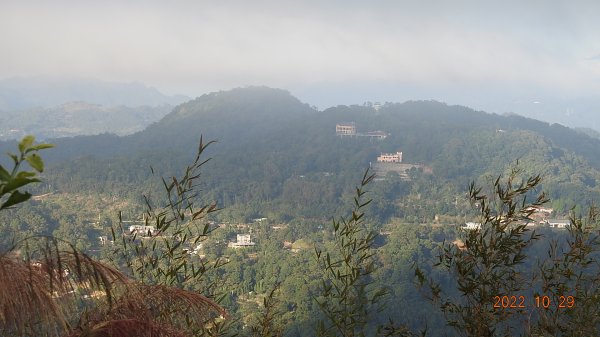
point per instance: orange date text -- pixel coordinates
(540, 301)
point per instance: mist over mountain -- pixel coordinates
(427, 168)
(276, 154)
(499, 98)
(55, 107)
(21, 93)
(280, 160)
(78, 118)
(580, 112)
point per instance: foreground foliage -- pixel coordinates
(349, 297)
(49, 288)
(572, 270)
(13, 182)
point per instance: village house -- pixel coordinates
(243, 240)
(555, 223)
(142, 230)
(278, 226)
(539, 212)
(471, 226)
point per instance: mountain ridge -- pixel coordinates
(78, 118)
(267, 141)
(19, 93)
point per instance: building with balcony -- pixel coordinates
(345, 129)
(390, 158)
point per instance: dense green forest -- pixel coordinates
(279, 172)
(277, 156)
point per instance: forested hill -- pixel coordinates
(276, 154)
(230, 117)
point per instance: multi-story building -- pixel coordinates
(345, 129)
(390, 158)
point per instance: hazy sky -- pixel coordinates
(327, 51)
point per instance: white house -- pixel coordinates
(554, 223)
(142, 230)
(243, 240)
(390, 158)
(471, 226)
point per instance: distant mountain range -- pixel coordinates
(53, 108)
(78, 118)
(567, 109)
(126, 106)
(23, 93)
(581, 112)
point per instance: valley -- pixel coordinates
(280, 171)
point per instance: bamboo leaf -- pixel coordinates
(26, 143)
(36, 162)
(15, 198)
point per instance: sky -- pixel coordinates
(491, 55)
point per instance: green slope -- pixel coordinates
(276, 154)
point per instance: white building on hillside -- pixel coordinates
(142, 230)
(471, 226)
(555, 223)
(345, 129)
(390, 158)
(243, 240)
